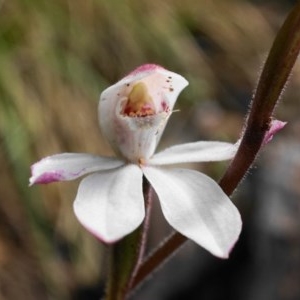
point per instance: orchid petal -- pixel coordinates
(110, 204)
(136, 135)
(197, 207)
(195, 152)
(68, 166)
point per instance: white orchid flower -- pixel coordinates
(110, 202)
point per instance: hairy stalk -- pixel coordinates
(276, 71)
(159, 255)
(275, 74)
(148, 196)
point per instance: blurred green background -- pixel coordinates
(55, 59)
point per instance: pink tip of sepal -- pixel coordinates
(275, 126)
(49, 177)
(46, 177)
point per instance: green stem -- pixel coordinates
(277, 68)
(122, 260)
(126, 255)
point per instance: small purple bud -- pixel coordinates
(275, 126)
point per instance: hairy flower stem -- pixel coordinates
(126, 255)
(148, 196)
(273, 79)
(274, 76)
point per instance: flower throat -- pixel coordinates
(139, 103)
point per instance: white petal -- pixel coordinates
(195, 152)
(110, 204)
(68, 166)
(196, 206)
(135, 137)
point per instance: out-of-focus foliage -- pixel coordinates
(55, 59)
